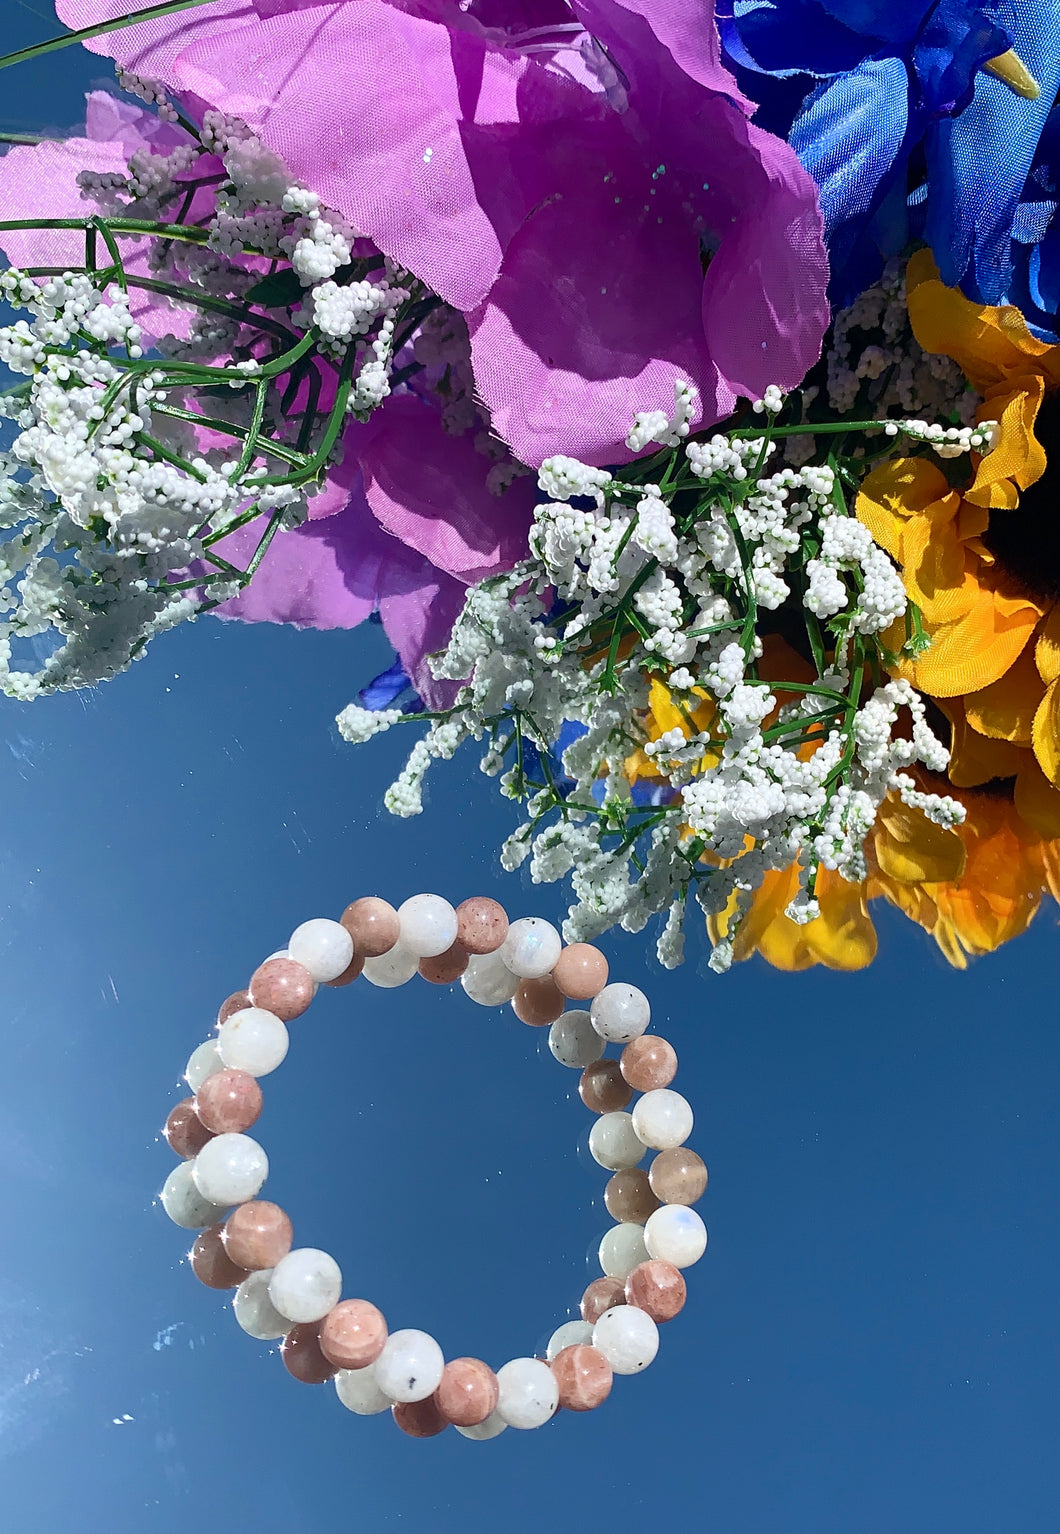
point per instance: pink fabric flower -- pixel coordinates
(568, 210)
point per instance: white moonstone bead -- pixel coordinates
(531, 948)
(567, 1336)
(305, 1284)
(392, 968)
(488, 980)
(663, 1119)
(230, 1169)
(622, 1249)
(620, 1012)
(255, 1312)
(410, 1366)
(184, 1204)
(613, 1142)
(253, 1040)
(205, 1061)
(627, 1337)
(529, 1393)
(359, 1391)
(321, 946)
(574, 1041)
(674, 1234)
(481, 1431)
(428, 925)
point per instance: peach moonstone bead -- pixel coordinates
(211, 1264)
(538, 1002)
(234, 1003)
(628, 1196)
(229, 1102)
(185, 1132)
(657, 1287)
(282, 987)
(678, 1176)
(353, 1333)
(481, 924)
(303, 1356)
(602, 1089)
(468, 1392)
(373, 924)
(649, 1063)
(583, 1375)
(257, 1234)
(445, 968)
(580, 971)
(419, 1419)
(350, 973)
(602, 1294)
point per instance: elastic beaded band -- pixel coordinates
(295, 1293)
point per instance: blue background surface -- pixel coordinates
(870, 1341)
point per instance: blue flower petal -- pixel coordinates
(382, 690)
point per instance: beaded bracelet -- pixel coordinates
(294, 1293)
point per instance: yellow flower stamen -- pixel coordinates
(1013, 72)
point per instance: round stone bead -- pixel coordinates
(676, 1234)
(253, 1041)
(488, 980)
(255, 1312)
(528, 1393)
(657, 1288)
(663, 1119)
(566, 1336)
(648, 1062)
(257, 1235)
(574, 1041)
(428, 925)
(353, 1334)
(583, 1377)
(359, 1392)
(183, 1202)
(678, 1176)
(305, 1284)
(419, 1419)
(202, 1063)
(410, 1367)
(620, 1012)
(324, 947)
(531, 948)
(580, 971)
(468, 1392)
(602, 1088)
(612, 1142)
(229, 1102)
(210, 1262)
(627, 1337)
(445, 968)
(481, 1432)
(481, 924)
(372, 924)
(350, 973)
(391, 969)
(622, 1249)
(537, 1002)
(282, 987)
(602, 1294)
(628, 1196)
(234, 1003)
(185, 1132)
(303, 1357)
(230, 1169)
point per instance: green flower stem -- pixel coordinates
(98, 29)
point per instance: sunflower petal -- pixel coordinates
(1047, 733)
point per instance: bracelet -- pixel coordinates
(295, 1293)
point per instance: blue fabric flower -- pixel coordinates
(888, 107)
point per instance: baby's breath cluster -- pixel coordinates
(167, 402)
(685, 681)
